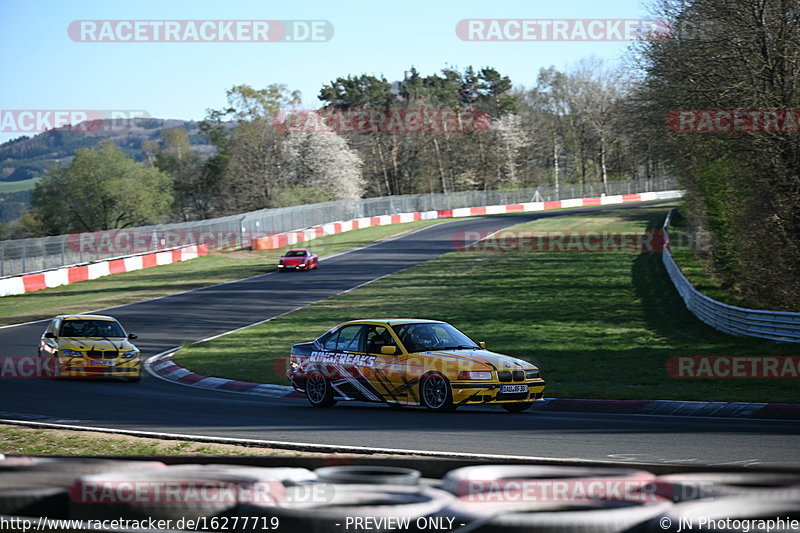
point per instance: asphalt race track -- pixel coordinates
(159, 406)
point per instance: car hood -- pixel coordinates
(94, 343)
(496, 360)
(293, 260)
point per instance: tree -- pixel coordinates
(255, 167)
(597, 92)
(511, 139)
(323, 161)
(742, 187)
(101, 189)
(193, 193)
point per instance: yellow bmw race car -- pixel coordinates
(410, 362)
(89, 346)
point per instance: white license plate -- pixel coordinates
(511, 389)
(102, 363)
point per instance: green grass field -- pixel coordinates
(17, 186)
(177, 277)
(600, 325)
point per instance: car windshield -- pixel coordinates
(433, 336)
(296, 253)
(91, 328)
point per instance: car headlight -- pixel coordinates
(131, 354)
(302, 264)
(532, 373)
(479, 374)
(70, 353)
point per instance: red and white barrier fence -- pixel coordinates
(279, 240)
(73, 274)
(56, 277)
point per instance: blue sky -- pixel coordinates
(44, 69)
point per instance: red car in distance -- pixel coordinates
(298, 260)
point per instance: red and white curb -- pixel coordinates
(279, 240)
(164, 368)
(67, 275)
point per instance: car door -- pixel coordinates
(346, 360)
(387, 371)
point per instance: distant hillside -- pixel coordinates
(27, 157)
(24, 159)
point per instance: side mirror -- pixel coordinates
(482, 344)
(388, 350)
(133, 336)
(49, 335)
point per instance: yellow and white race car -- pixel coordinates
(89, 346)
(410, 362)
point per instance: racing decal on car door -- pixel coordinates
(344, 360)
(388, 374)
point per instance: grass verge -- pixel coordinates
(7, 187)
(697, 270)
(21, 440)
(600, 325)
(178, 277)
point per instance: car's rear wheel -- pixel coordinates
(517, 407)
(436, 394)
(319, 390)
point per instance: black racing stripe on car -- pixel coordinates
(469, 398)
(381, 378)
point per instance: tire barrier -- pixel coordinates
(190, 491)
(40, 485)
(368, 475)
(699, 485)
(338, 507)
(482, 498)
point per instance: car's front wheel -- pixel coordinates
(319, 390)
(436, 394)
(516, 407)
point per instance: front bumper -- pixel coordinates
(473, 393)
(88, 368)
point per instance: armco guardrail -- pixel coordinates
(774, 325)
(67, 275)
(33, 255)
